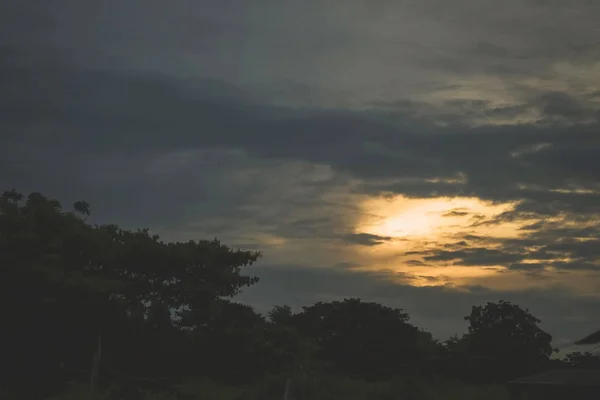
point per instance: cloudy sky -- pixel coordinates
(429, 155)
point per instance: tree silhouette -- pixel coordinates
(165, 312)
(63, 282)
(361, 338)
(509, 339)
(281, 315)
(579, 360)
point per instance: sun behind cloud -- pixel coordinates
(415, 225)
(420, 227)
(432, 218)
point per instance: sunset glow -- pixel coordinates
(414, 226)
(434, 218)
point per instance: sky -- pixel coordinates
(429, 155)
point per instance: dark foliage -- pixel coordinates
(164, 313)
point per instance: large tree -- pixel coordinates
(64, 281)
(362, 338)
(507, 340)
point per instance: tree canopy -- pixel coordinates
(65, 281)
(361, 337)
(508, 339)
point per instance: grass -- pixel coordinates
(323, 388)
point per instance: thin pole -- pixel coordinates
(95, 369)
(286, 394)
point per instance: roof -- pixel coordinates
(569, 377)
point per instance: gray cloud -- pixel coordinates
(352, 51)
(366, 239)
(203, 118)
(562, 105)
(475, 256)
(358, 143)
(456, 213)
(519, 266)
(172, 149)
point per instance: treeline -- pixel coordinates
(162, 316)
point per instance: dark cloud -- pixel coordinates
(85, 111)
(491, 49)
(202, 119)
(519, 266)
(456, 245)
(456, 213)
(475, 256)
(168, 148)
(576, 265)
(366, 239)
(561, 104)
(418, 263)
(545, 245)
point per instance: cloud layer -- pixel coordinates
(419, 154)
